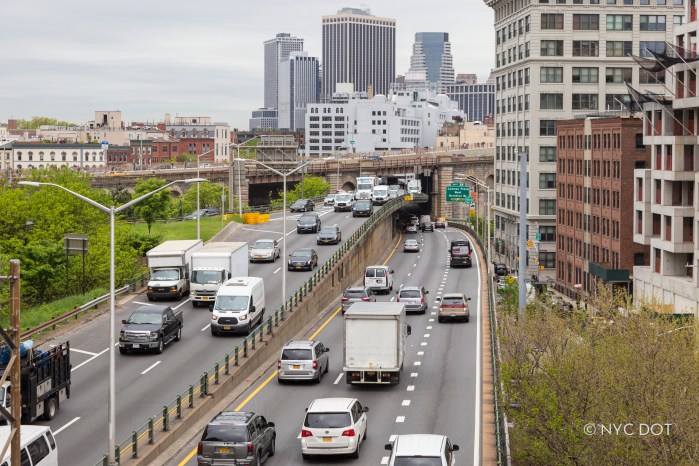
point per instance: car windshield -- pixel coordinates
(145, 318)
(452, 302)
(301, 254)
(206, 276)
(411, 242)
(328, 231)
(344, 198)
(364, 187)
(363, 204)
(292, 354)
(263, 245)
(165, 275)
(410, 294)
(225, 433)
(355, 294)
(307, 219)
(232, 303)
(417, 461)
(327, 420)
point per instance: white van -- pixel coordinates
(37, 443)
(239, 305)
(378, 278)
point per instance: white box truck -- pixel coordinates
(365, 187)
(414, 186)
(212, 265)
(374, 337)
(169, 265)
(380, 195)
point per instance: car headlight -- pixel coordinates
(150, 289)
(214, 318)
(317, 238)
(153, 336)
(121, 334)
(173, 288)
(243, 317)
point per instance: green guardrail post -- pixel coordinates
(216, 369)
(166, 419)
(150, 431)
(202, 392)
(227, 363)
(191, 396)
(269, 325)
(105, 460)
(252, 341)
(179, 406)
(134, 442)
(235, 356)
(117, 454)
(276, 318)
(245, 347)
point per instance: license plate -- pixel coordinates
(223, 450)
(296, 366)
(298, 267)
(135, 345)
(226, 328)
(327, 439)
(204, 298)
(371, 373)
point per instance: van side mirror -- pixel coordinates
(391, 270)
(124, 321)
(397, 291)
(229, 275)
(327, 350)
(271, 424)
(365, 409)
(438, 298)
(211, 308)
(252, 308)
(468, 299)
(410, 330)
(426, 292)
(454, 448)
(388, 446)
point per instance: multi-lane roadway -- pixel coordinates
(146, 382)
(438, 393)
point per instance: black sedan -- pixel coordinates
(308, 222)
(302, 205)
(362, 208)
(500, 269)
(440, 223)
(329, 235)
(302, 259)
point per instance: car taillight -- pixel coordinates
(397, 300)
(365, 299)
(250, 450)
(345, 298)
(306, 433)
(348, 433)
(279, 364)
(422, 300)
(315, 364)
(199, 449)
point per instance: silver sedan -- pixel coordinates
(411, 245)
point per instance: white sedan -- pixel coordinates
(411, 245)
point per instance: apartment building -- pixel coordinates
(556, 60)
(192, 130)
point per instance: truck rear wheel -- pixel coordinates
(178, 335)
(50, 409)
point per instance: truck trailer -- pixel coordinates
(212, 265)
(374, 339)
(170, 265)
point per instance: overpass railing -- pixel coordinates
(198, 390)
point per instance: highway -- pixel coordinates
(439, 390)
(147, 381)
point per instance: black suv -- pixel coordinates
(362, 207)
(236, 437)
(500, 269)
(460, 253)
(302, 205)
(426, 223)
(329, 235)
(308, 222)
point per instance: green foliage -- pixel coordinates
(156, 206)
(314, 186)
(142, 242)
(42, 270)
(36, 122)
(185, 229)
(209, 197)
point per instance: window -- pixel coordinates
(646, 77)
(586, 22)
(619, 22)
(652, 22)
(547, 233)
(547, 127)
(585, 48)
(618, 48)
(655, 46)
(585, 75)
(551, 74)
(551, 48)
(677, 20)
(611, 101)
(551, 21)
(547, 154)
(547, 259)
(618, 75)
(585, 101)
(547, 207)
(551, 101)
(38, 450)
(547, 181)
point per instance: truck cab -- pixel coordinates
(380, 195)
(150, 328)
(212, 265)
(170, 264)
(365, 187)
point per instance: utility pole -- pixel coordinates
(522, 275)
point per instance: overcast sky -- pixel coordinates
(67, 59)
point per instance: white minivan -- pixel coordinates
(378, 278)
(239, 305)
(38, 447)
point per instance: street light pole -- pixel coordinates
(238, 159)
(112, 300)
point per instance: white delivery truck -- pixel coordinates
(374, 336)
(380, 195)
(212, 265)
(365, 187)
(414, 186)
(170, 265)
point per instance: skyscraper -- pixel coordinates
(298, 86)
(276, 50)
(358, 48)
(432, 55)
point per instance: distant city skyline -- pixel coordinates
(189, 60)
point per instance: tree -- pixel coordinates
(187, 157)
(156, 206)
(36, 122)
(43, 270)
(314, 186)
(209, 196)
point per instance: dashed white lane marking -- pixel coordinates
(392, 438)
(90, 359)
(337, 380)
(205, 328)
(70, 423)
(420, 353)
(411, 388)
(263, 231)
(346, 216)
(414, 265)
(146, 304)
(435, 307)
(278, 269)
(400, 418)
(429, 327)
(410, 274)
(405, 403)
(393, 298)
(413, 374)
(418, 257)
(424, 343)
(185, 302)
(433, 313)
(417, 363)
(430, 320)
(151, 367)
(384, 460)
(427, 335)
(83, 352)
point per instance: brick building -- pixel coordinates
(596, 158)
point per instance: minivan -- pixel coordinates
(37, 444)
(239, 305)
(460, 253)
(378, 278)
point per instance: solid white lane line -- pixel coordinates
(61, 429)
(151, 367)
(83, 352)
(411, 388)
(205, 328)
(337, 380)
(278, 269)
(400, 419)
(88, 360)
(405, 403)
(179, 306)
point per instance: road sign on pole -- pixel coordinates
(457, 193)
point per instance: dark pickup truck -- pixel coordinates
(150, 328)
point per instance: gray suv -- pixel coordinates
(236, 437)
(355, 294)
(303, 360)
(414, 298)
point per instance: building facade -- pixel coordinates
(555, 61)
(264, 118)
(28, 156)
(432, 56)
(198, 129)
(299, 85)
(596, 159)
(477, 101)
(358, 48)
(276, 50)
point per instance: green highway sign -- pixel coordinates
(468, 200)
(457, 193)
(456, 183)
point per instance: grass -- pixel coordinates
(185, 229)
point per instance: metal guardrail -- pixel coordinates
(199, 388)
(501, 434)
